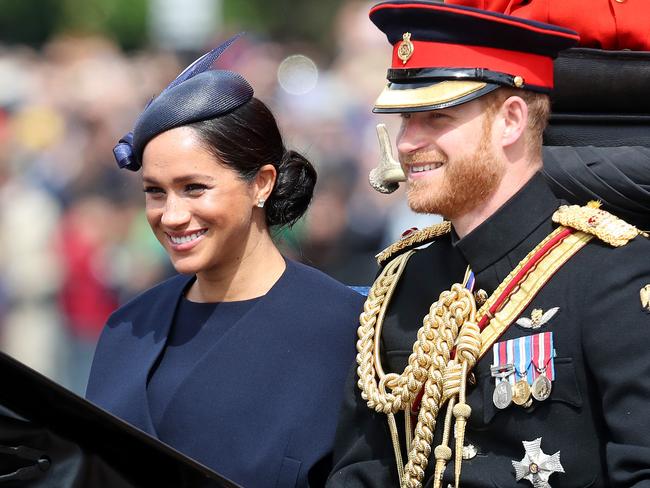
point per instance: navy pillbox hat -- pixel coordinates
(198, 93)
(205, 96)
(445, 55)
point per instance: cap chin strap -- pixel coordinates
(433, 75)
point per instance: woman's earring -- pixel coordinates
(260, 203)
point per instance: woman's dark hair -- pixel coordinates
(248, 138)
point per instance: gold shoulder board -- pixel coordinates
(414, 239)
(591, 219)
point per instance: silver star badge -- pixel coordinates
(536, 466)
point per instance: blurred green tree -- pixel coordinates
(285, 20)
(123, 20)
(29, 22)
(33, 22)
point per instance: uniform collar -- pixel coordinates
(509, 226)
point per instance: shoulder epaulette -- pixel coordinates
(414, 239)
(591, 219)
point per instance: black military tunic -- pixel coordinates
(597, 415)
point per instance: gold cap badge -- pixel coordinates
(406, 48)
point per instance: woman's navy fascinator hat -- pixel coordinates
(198, 93)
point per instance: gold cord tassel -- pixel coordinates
(392, 425)
(467, 351)
(462, 411)
(443, 451)
(408, 427)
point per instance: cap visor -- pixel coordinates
(418, 97)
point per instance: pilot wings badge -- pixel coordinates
(645, 298)
(537, 318)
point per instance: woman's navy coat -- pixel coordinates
(261, 406)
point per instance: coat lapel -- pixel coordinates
(158, 320)
(129, 348)
(226, 353)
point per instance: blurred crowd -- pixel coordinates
(74, 243)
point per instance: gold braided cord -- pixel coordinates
(408, 428)
(404, 387)
(451, 322)
(376, 393)
(455, 323)
(436, 338)
(418, 237)
(426, 365)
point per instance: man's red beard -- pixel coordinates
(467, 182)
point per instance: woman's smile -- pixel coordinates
(185, 241)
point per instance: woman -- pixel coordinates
(238, 361)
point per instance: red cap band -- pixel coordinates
(535, 69)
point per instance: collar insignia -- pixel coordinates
(406, 48)
(538, 318)
(413, 238)
(645, 298)
(536, 466)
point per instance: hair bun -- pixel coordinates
(293, 189)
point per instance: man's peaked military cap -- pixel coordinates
(445, 55)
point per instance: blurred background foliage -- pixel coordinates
(286, 20)
(33, 22)
(29, 22)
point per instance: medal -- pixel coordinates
(521, 392)
(541, 388)
(523, 369)
(544, 367)
(502, 396)
(536, 466)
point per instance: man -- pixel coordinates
(512, 350)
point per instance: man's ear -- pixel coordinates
(514, 113)
(264, 182)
